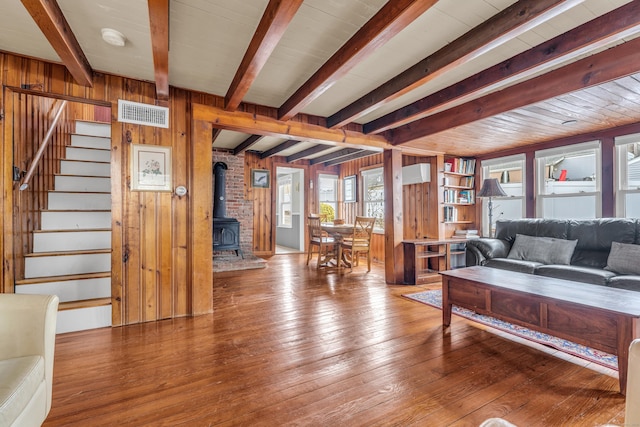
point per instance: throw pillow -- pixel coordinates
(624, 258)
(546, 250)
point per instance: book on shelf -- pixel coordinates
(461, 165)
(450, 214)
(465, 234)
(459, 196)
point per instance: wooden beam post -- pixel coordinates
(201, 219)
(393, 231)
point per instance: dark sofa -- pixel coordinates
(604, 251)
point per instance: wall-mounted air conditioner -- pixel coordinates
(416, 174)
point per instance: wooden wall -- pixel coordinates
(32, 117)
(161, 244)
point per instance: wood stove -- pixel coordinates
(226, 231)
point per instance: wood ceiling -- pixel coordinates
(426, 76)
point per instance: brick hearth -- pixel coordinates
(237, 207)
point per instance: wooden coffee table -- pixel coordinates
(603, 318)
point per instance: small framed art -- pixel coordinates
(260, 178)
(150, 168)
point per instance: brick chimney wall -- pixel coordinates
(237, 206)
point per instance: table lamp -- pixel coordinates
(491, 188)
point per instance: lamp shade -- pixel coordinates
(491, 188)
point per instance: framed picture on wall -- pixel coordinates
(350, 192)
(150, 168)
(260, 178)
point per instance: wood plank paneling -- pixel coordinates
(160, 246)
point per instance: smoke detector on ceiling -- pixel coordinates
(113, 37)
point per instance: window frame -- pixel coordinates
(366, 175)
(333, 203)
(540, 179)
(485, 165)
(285, 201)
(621, 174)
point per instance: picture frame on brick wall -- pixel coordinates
(150, 168)
(260, 178)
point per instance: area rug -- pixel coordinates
(434, 299)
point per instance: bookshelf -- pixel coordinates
(426, 258)
(458, 194)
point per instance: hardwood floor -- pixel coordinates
(288, 345)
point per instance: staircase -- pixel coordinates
(72, 251)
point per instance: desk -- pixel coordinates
(338, 232)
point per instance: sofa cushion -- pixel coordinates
(595, 237)
(507, 229)
(20, 378)
(631, 283)
(624, 258)
(518, 265)
(595, 276)
(545, 250)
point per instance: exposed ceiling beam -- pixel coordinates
(335, 155)
(614, 63)
(278, 148)
(56, 29)
(274, 22)
(362, 153)
(262, 125)
(392, 18)
(608, 28)
(308, 152)
(246, 144)
(502, 27)
(159, 24)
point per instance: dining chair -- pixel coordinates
(359, 242)
(318, 238)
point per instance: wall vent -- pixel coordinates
(143, 114)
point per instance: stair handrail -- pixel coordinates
(43, 145)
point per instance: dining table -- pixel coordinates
(338, 232)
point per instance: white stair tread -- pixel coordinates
(93, 128)
(85, 168)
(90, 141)
(77, 153)
(48, 264)
(67, 240)
(82, 183)
(70, 290)
(83, 318)
(75, 219)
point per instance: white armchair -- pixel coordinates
(27, 341)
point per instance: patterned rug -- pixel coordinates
(434, 299)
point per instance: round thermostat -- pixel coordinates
(181, 191)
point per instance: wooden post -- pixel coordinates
(201, 217)
(393, 234)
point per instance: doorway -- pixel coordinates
(290, 223)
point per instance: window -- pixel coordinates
(568, 182)
(328, 196)
(373, 196)
(510, 172)
(628, 176)
(284, 201)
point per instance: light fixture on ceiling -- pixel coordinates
(569, 122)
(113, 37)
